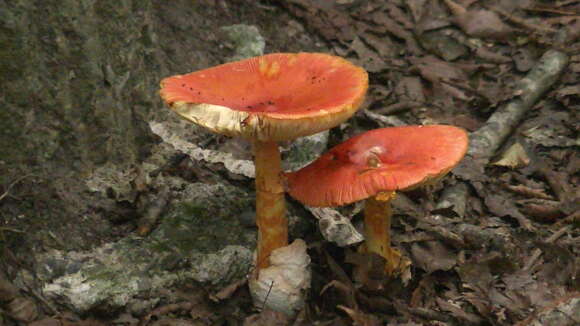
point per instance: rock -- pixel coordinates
(336, 227)
(198, 241)
(304, 150)
(247, 41)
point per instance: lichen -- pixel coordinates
(247, 41)
(198, 240)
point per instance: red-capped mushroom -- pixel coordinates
(373, 166)
(268, 99)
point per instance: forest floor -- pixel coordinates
(497, 242)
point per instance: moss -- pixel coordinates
(204, 228)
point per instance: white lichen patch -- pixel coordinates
(199, 241)
(114, 179)
(301, 151)
(304, 150)
(109, 280)
(171, 134)
(336, 227)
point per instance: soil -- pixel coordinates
(496, 242)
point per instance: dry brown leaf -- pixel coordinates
(173, 322)
(410, 89)
(479, 23)
(564, 311)
(22, 309)
(433, 256)
(46, 322)
(267, 318)
(359, 318)
(367, 58)
(514, 157)
(459, 312)
(435, 70)
(7, 290)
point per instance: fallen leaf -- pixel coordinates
(267, 318)
(514, 157)
(433, 256)
(22, 309)
(46, 322)
(361, 319)
(479, 22)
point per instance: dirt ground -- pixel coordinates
(497, 242)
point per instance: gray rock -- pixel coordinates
(198, 241)
(304, 150)
(247, 41)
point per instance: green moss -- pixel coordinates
(201, 228)
(101, 273)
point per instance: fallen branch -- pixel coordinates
(2, 196)
(538, 252)
(487, 140)
(243, 167)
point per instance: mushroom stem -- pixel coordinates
(377, 219)
(270, 204)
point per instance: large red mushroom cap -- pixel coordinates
(274, 97)
(387, 159)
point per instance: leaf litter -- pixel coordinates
(502, 258)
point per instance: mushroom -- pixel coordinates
(373, 166)
(267, 99)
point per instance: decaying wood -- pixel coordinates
(486, 140)
(453, 198)
(167, 133)
(336, 227)
(153, 211)
(537, 252)
(384, 121)
(563, 312)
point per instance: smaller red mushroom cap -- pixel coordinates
(387, 159)
(278, 96)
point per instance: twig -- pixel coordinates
(384, 121)
(267, 295)
(560, 312)
(570, 219)
(398, 107)
(555, 181)
(487, 139)
(153, 210)
(522, 22)
(537, 252)
(12, 185)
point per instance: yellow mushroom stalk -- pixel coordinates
(372, 167)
